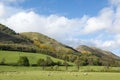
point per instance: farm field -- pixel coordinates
(37, 73)
(58, 75)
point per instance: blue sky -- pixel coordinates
(68, 8)
(72, 22)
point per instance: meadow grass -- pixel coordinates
(58, 75)
(13, 56)
(36, 73)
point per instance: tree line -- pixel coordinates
(82, 60)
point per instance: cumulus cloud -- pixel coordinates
(100, 22)
(2, 10)
(114, 2)
(55, 26)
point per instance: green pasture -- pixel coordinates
(57, 75)
(13, 56)
(36, 73)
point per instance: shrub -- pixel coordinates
(2, 61)
(49, 62)
(23, 61)
(41, 62)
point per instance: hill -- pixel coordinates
(38, 43)
(9, 36)
(34, 42)
(96, 51)
(55, 48)
(45, 42)
(104, 56)
(10, 40)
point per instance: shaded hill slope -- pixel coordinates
(9, 36)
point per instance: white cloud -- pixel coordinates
(2, 10)
(114, 2)
(55, 26)
(100, 22)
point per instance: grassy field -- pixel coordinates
(57, 75)
(36, 73)
(13, 56)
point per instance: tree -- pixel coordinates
(49, 62)
(66, 65)
(23, 61)
(97, 62)
(2, 61)
(58, 63)
(77, 62)
(41, 62)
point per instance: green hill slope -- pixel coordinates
(11, 57)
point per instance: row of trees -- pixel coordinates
(48, 62)
(83, 60)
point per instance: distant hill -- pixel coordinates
(96, 51)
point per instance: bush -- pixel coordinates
(2, 61)
(23, 61)
(49, 61)
(41, 62)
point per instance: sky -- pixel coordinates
(71, 22)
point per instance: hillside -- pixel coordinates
(34, 42)
(10, 40)
(9, 36)
(96, 51)
(46, 42)
(38, 43)
(104, 57)
(55, 48)
(11, 57)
